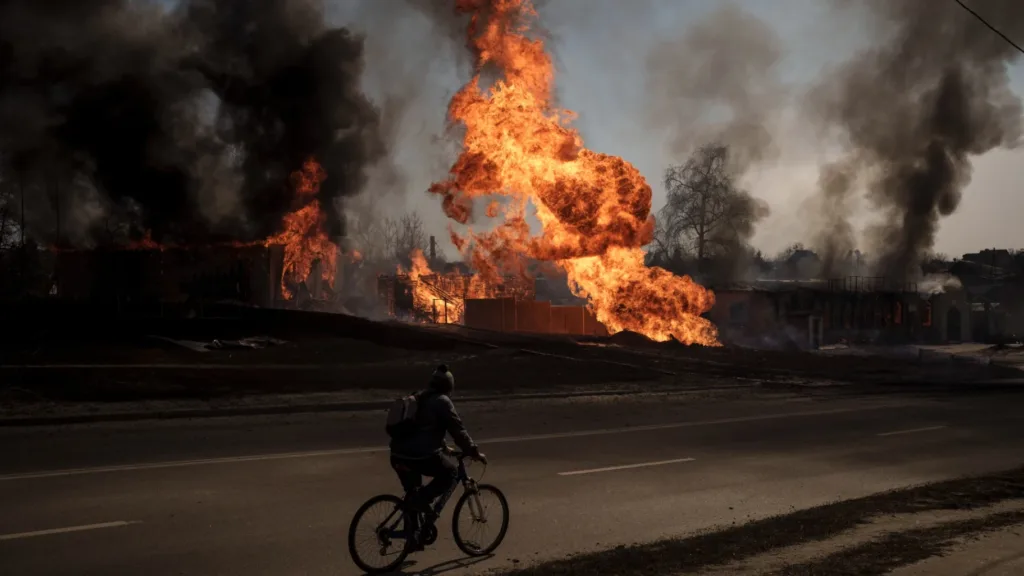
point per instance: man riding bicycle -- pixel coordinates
(424, 452)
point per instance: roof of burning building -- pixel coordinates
(771, 285)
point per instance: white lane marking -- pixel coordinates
(625, 467)
(185, 463)
(175, 366)
(692, 424)
(51, 531)
(374, 449)
(913, 430)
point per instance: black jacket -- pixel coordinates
(435, 418)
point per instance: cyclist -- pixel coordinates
(424, 452)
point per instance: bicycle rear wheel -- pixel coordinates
(379, 526)
(479, 511)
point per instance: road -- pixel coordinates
(274, 495)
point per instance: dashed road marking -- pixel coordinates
(377, 449)
(67, 530)
(913, 430)
(625, 467)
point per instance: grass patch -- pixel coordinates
(718, 547)
(882, 555)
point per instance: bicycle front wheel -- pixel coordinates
(480, 520)
(379, 536)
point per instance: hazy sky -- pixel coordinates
(601, 47)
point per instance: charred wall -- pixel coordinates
(849, 311)
(537, 317)
(146, 281)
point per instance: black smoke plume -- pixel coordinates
(185, 121)
(931, 92)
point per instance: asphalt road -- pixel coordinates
(274, 495)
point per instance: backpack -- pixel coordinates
(403, 415)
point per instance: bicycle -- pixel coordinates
(395, 525)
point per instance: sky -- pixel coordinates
(600, 49)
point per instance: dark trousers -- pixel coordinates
(440, 468)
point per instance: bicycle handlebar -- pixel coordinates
(459, 454)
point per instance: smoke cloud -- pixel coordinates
(930, 93)
(416, 50)
(718, 83)
(185, 122)
(835, 239)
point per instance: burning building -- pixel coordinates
(297, 267)
(511, 306)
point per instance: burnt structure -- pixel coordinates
(511, 306)
(812, 313)
(446, 295)
(994, 282)
(154, 282)
(533, 316)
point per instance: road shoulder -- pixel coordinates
(54, 413)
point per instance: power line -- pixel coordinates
(990, 27)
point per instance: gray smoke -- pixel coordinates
(186, 122)
(717, 87)
(718, 83)
(409, 58)
(930, 92)
(416, 54)
(835, 239)
(448, 23)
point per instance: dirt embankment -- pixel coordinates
(73, 356)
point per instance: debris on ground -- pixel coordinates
(253, 343)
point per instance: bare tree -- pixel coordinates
(410, 236)
(389, 237)
(706, 213)
(367, 236)
(787, 252)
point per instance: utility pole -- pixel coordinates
(433, 250)
(22, 253)
(21, 186)
(56, 201)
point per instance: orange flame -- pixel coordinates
(303, 233)
(594, 209)
(431, 293)
(442, 296)
(146, 243)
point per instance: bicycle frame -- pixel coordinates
(461, 478)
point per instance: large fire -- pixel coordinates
(303, 236)
(428, 296)
(146, 243)
(594, 209)
(442, 297)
